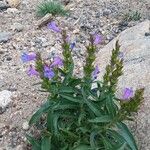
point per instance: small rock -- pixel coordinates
(106, 12)
(8, 58)
(14, 3)
(76, 31)
(45, 44)
(43, 21)
(17, 27)
(109, 37)
(25, 125)
(147, 34)
(5, 98)
(3, 6)
(5, 36)
(123, 24)
(19, 147)
(13, 11)
(2, 83)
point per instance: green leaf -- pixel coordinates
(52, 121)
(106, 142)
(69, 75)
(101, 119)
(35, 144)
(71, 98)
(82, 147)
(120, 147)
(91, 105)
(46, 143)
(74, 82)
(67, 89)
(111, 107)
(66, 106)
(93, 139)
(44, 108)
(115, 135)
(126, 134)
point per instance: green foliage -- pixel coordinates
(132, 16)
(89, 68)
(52, 7)
(79, 117)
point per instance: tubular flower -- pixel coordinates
(57, 62)
(97, 39)
(48, 72)
(28, 57)
(52, 25)
(72, 45)
(32, 71)
(128, 93)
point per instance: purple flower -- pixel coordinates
(52, 25)
(97, 39)
(28, 57)
(128, 93)
(32, 71)
(95, 72)
(57, 62)
(48, 72)
(72, 45)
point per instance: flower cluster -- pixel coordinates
(48, 70)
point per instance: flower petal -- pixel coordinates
(52, 25)
(128, 93)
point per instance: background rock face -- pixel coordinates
(135, 44)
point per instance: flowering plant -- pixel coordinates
(82, 113)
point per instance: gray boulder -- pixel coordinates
(135, 45)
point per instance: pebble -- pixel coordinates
(123, 24)
(12, 11)
(17, 27)
(8, 58)
(14, 3)
(2, 83)
(25, 126)
(109, 37)
(3, 6)
(147, 34)
(106, 12)
(43, 21)
(76, 31)
(5, 98)
(20, 147)
(5, 36)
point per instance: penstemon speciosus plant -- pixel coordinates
(77, 116)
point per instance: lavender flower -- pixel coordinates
(57, 62)
(128, 93)
(95, 72)
(32, 71)
(52, 25)
(97, 39)
(28, 57)
(72, 45)
(48, 72)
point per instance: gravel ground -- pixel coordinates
(88, 16)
